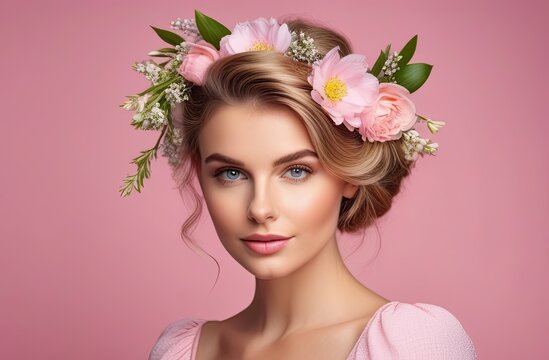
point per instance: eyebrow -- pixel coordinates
(285, 159)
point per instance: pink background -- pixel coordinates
(86, 274)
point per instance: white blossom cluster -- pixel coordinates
(170, 147)
(151, 70)
(182, 50)
(177, 92)
(302, 48)
(155, 118)
(391, 66)
(187, 26)
(414, 144)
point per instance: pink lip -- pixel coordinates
(266, 247)
(265, 237)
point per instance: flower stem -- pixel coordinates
(423, 117)
(159, 138)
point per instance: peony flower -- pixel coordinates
(392, 113)
(343, 87)
(259, 34)
(195, 63)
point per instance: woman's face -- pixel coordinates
(247, 191)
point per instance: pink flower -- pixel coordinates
(392, 113)
(195, 63)
(343, 87)
(259, 34)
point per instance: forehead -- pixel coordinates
(244, 131)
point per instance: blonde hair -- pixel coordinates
(270, 78)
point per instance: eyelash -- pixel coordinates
(302, 167)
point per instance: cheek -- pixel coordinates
(314, 206)
(225, 208)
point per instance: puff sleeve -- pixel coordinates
(414, 332)
(176, 340)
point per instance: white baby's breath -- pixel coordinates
(177, 92)
(414, 145)
(171, 146)
(187, 26)
(391, 66)
(155, 118)
(302, 48)
(151, 70)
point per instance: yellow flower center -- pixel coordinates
(261, 45)
(335, 89)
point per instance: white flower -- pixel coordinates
(302, 48)
(155, 118)
(431, 148)
(142, 101)
(187, 26)
(414, 145)
(171, 147)
(136, 103)
(434, 126)
(390, 66)
(151, 70)
(131, 103)
(177, 92)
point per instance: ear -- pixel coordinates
(349, 190)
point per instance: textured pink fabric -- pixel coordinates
(396, 331)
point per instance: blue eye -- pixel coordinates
(231, 173)
(298, 173)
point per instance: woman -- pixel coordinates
(279, 178)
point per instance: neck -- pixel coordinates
(321, 292)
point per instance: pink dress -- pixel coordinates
(397, 330)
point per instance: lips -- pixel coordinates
(265, 237)
(266, 247)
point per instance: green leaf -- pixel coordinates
(378, 64)
(168, 36)
(412, 76)
(161, 86)
(164, 52)
(163, 65)
(408, 51)
(135, 181)
(168, 50)
(211, 30)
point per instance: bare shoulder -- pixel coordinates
(357, 324)
(209, 339)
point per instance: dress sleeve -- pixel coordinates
(416, 331)
(176, 341)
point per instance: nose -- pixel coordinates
(261, 207)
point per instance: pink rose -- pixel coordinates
(195, 63)
(391, 114)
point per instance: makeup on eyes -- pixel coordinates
(307, 169)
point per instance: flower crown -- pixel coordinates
(373, 100)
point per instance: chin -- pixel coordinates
(267, 269)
